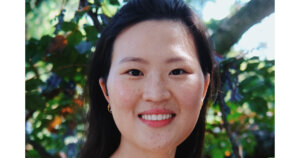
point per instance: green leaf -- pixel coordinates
(74, 38)
(44, 42)
(31, 52)
(249, 141)
(27, 7)
(217, 153)
(34, 101)
(32, 154)
(35, 49)
(91, 33)
(258, 105)
(108, 9)
(68, 26)
(33, 84)
(114, 2)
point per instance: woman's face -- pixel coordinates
(155, 85)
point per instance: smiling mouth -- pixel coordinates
(156, 117)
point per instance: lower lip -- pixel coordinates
(157, 123)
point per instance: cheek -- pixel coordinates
(122, 94)
(123, 99)
(190, 94)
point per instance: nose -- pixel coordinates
(156, 90)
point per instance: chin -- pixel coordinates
(159, 145)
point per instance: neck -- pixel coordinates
(129, 150)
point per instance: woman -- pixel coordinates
(150, 80)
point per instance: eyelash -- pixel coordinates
(132, 71)
(181, 72)
(136, 72)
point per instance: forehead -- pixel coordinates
(156, 38)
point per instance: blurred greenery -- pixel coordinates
(60, 38)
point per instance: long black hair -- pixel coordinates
(103, 137)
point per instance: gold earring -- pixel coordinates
(109, 108)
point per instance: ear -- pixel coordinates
(206, 84)
(104, 88)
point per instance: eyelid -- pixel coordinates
(180, 69)
(130, 70)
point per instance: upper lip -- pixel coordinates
(157, 111)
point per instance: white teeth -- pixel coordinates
(156, 117)
(159, 117)
(164, 117)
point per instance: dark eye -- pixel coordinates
(177, 72)
(135, 72)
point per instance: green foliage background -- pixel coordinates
(60, 38)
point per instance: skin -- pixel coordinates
(154, 66)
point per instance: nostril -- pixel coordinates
(156, 90)
(156, 96)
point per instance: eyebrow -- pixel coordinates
(143, 61)
(133, 59)
(175, 59)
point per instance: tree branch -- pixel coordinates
(94, 16)
(96, 22)
(237, 149)
(231, 29)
